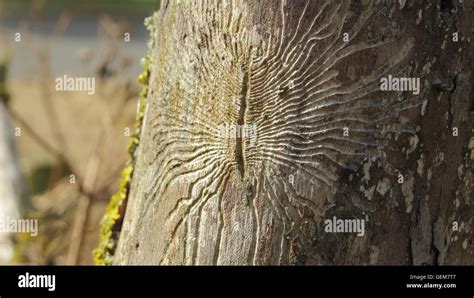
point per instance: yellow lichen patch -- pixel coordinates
(112, 222)
(103, 253)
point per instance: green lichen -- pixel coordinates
(111, 224)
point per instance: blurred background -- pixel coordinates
(61, 153)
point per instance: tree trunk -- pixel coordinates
(268, 124)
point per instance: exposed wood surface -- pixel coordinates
(263, 121)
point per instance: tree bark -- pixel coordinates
(266, 119)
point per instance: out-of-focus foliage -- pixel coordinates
(86, 7)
